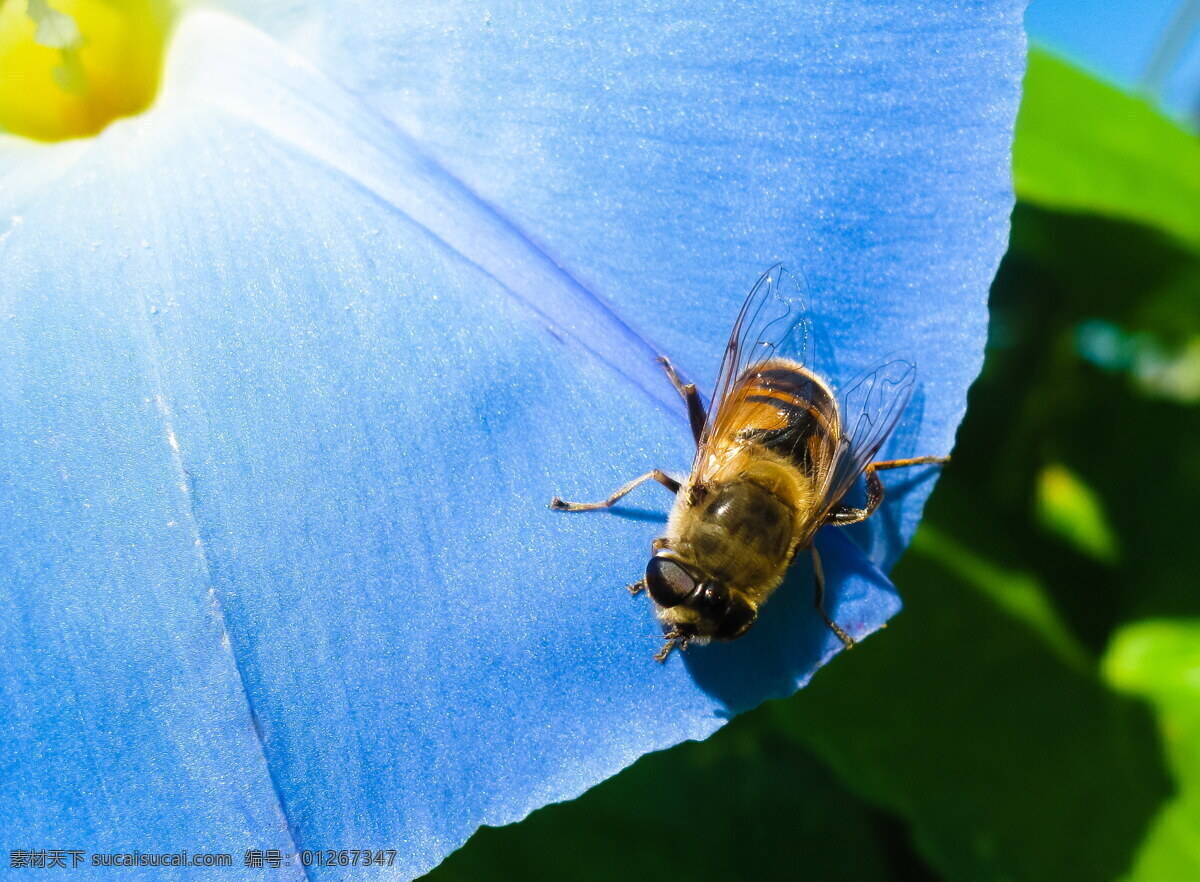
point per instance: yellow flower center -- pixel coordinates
(70, 67)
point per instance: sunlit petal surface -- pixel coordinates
(667, 156)
(288, 377)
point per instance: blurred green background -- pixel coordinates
(1034, 712)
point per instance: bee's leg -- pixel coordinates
(819, 599)
(662, 654)
(674, 638)
(637, 587)
(844, 515)
(662, 478)
(696, 413)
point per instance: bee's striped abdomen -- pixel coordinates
(788, 410)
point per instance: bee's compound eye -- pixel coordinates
(668, 582)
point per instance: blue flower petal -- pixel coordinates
(284, 401)
(668, 156)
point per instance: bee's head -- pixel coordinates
(694, 603)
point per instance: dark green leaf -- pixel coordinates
(1007, 759)
(746, 804)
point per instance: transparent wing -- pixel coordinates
(870, 405)
(773, 323)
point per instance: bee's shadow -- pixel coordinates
(637, 514)
(790, 640)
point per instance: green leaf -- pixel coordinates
(1082, 145)
(1050, 395)
(1066, 505)
(1007, 761)
(1161, 661)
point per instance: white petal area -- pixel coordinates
(28, 168)
(214, 58)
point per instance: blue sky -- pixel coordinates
(1116, 39)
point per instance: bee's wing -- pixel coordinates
(870, 405)
(774, 322)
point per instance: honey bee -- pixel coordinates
(776, 452)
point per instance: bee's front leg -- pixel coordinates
(673, 638)
(656, 475)
(697, 415)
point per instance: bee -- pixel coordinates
(776, 452)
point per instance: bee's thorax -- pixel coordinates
(743, 530)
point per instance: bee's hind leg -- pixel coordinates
(697, 416)
(845, 515)
(819, 599)
(660, 476)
